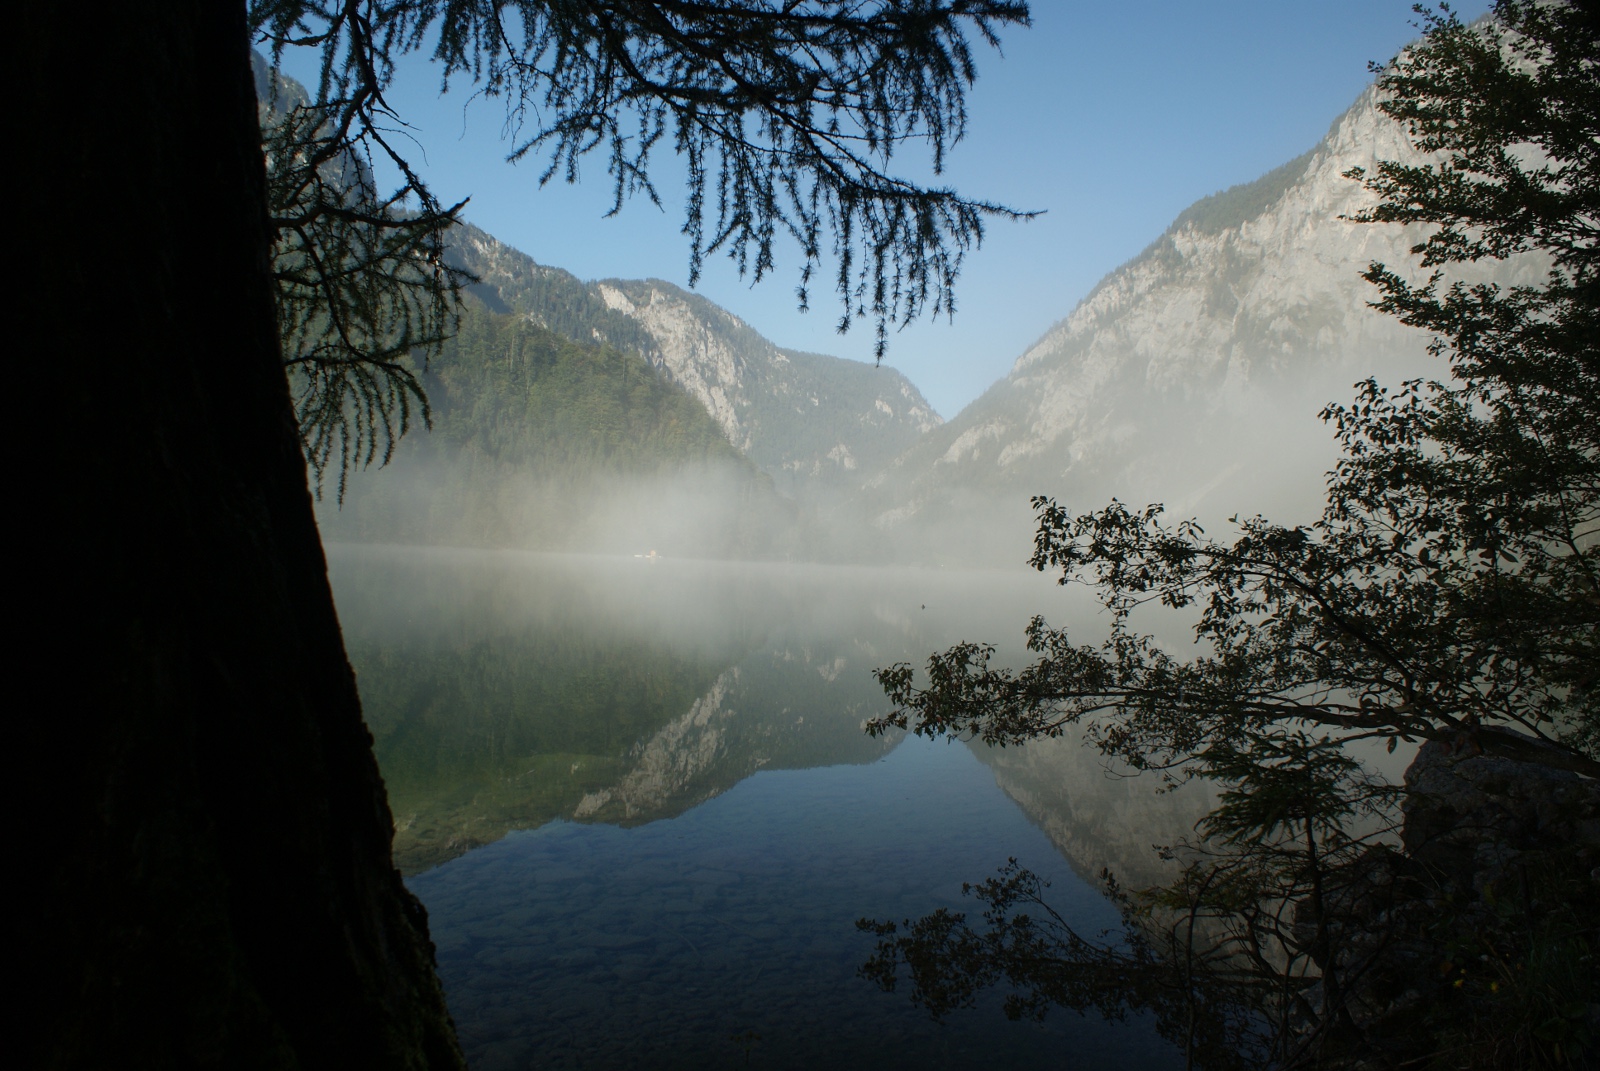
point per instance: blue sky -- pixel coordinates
(1112, 117)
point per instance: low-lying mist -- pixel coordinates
(703, 510)
(1234, 452)
(1213, 453)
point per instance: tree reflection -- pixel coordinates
(1251, 958)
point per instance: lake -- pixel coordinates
(637, 801)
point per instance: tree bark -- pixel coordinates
(206, 842)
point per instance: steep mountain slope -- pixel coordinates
(540, 442)
(1192, 375)
(807, 419)
(512, 462)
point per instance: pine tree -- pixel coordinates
(788, 115)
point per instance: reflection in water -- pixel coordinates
(597, 705)
(1097, 813)
(504, 691)
(681, 943)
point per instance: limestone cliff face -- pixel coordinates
(805, 418)
(1194, 374)
(693, 352)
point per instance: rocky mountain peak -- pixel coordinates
(1193, 374)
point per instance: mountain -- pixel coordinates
(560, 419)
(540, 442)
(809, 420)
(1193, 374)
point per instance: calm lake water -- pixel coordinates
(638, 804)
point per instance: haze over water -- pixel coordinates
(638, 804)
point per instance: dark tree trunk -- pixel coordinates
(205, 838)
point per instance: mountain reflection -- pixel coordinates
(505, 691)
(1097, 813)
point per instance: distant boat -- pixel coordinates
(651, 557)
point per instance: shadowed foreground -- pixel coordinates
(204, 836)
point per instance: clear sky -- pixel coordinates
(1111, 116)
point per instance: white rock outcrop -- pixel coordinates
(803, 417)
(1193, 375)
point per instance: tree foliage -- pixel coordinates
(1452, 583)
(788, 116)
(1450, 592)
(364, 296)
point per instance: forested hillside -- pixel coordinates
(813, 422)
(539, 442)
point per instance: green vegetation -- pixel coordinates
(809, 420)
(1450, 594)
(535, 437)
(526, 396)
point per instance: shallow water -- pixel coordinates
(638, 804)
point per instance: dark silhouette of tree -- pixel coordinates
(365, 296)
(204, 831)
(1452, 584)
(788, 115)
(1449, 593)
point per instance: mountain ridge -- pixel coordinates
(1191, 374)
(856, 416)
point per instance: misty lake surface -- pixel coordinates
(637, 802)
